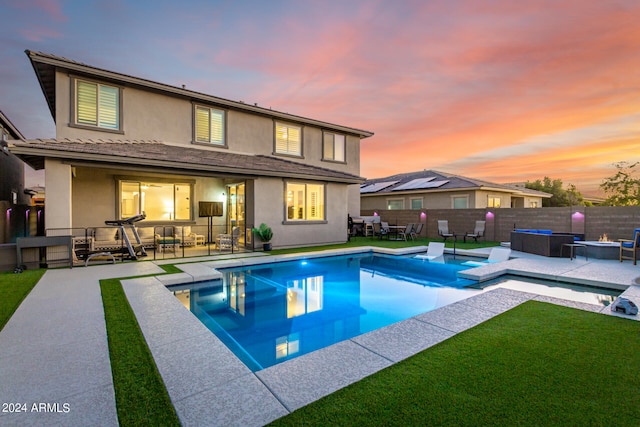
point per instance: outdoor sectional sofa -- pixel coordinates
(542, 242)
(108, 238)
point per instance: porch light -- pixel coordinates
(489, 215)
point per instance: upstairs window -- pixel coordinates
(210, 124)
(333, 147)
(97, 105)
(288, 139)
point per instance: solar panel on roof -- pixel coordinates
(372, 188)
(415, 183)
(436, 184)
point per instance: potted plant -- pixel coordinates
(266, 234)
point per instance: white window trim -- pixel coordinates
(459, 197)
(491, 196)
(395, 200)
(74, 107)
(416, 198)
(222, 144)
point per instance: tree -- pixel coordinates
(623, 188)
(560, 197)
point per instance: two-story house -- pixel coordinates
(126, 145)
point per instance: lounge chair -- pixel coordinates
(443, 229)
(632, 246)
(497, 254)
(478, 231)
(407, 231)
(415, 233)
(434, 250)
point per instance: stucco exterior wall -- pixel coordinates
(58, 194)
(95, 195)
(151, 116)
(290, 234)
(444, 200)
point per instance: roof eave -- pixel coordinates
(34, 157)
(36, 57)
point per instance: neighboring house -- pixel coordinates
(14, 201)
(430, 189)
(126, 145)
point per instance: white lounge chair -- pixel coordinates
(434, 250)
(497, 254)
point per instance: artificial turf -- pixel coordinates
(538, 364)
(141, 397)
(14, 288)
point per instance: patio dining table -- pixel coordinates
(394, 230)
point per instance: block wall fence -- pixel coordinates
(617, 222)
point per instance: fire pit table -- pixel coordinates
(602, 250)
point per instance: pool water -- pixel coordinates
(270, 313)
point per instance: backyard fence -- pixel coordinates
(617, 222)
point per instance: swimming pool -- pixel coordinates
(269, 313)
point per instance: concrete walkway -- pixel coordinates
(54, 354)
(54, 349)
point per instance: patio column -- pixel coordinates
(58, 199)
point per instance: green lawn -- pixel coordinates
(538, 364)
(14, 288)
(141, 397)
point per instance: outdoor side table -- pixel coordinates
(572, 250)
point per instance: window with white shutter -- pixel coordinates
(210, 125)
(288, 139)
(97, 105)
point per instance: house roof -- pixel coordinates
(6, 123)
(163, 156)
(435, 181)
(45, 66)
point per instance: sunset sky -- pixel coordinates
(506, 91)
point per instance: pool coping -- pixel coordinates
(208, 384)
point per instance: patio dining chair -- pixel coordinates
(443, 229)
(630, 246)
(478, 231)
(407, 231)
(415, 233)
(379, 230)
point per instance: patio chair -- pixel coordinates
(434, 250)
(407, 231)
(443, 229)
(630, 246)
(478, 231)
(415, 233)
(379, 230)
(497, 254)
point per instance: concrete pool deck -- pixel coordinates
(54, 348)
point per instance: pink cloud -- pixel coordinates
(52, 9)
